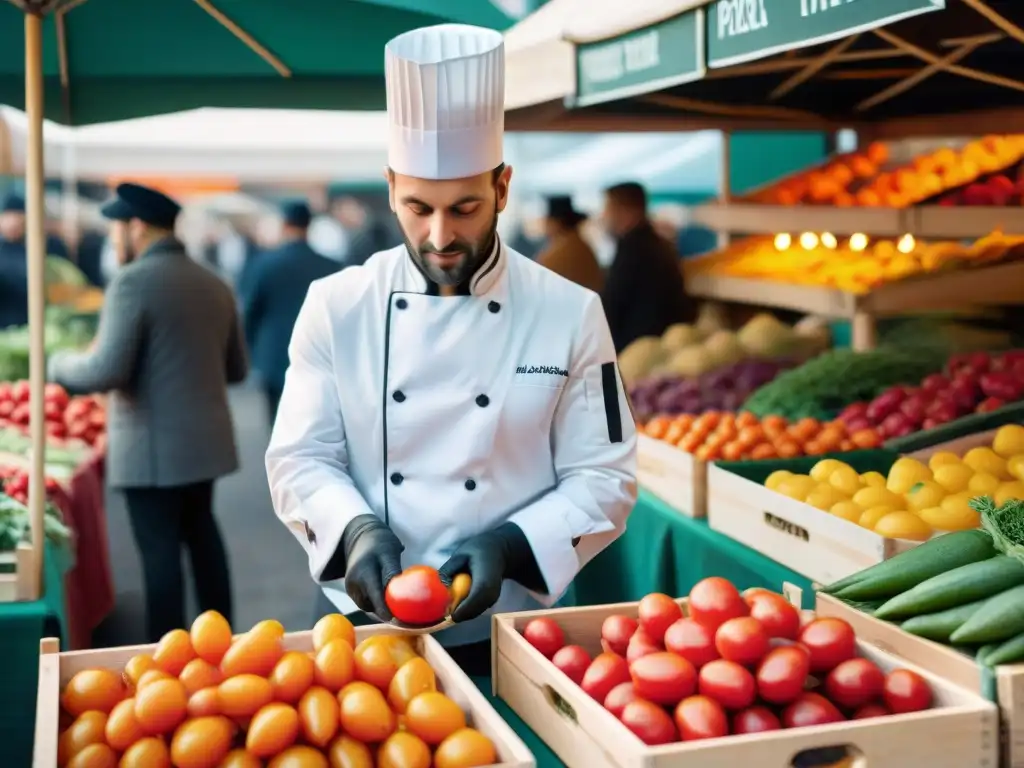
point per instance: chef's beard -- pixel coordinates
(473, 256)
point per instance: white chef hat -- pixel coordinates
(446, 101)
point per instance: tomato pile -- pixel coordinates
(733, 664)
(81, 418)
(206, 699)
(14, 483)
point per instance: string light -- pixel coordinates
(808, 241)
(858, 242)
(783, 241)
(906, 244)
(829, 240)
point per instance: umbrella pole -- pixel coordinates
(36, 239)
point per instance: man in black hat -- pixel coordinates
(567, 253)
(273, 297)
(168, 345)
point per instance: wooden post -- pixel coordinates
(862, 332)
(36, 239)
(726, 196)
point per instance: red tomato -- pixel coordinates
(573, 661)
(854, 683)
(810, 709)
(649, 722)
(20, 391)
(699, 717)
(544, 635)
(663, 677)
(56, 394)
(777, 615)
(782, 674)
(693, 641)
(906, 691)
(830, 641)
(728, 683)
(742, 640)
(656, 613)
(618, 697)
(616, 632)
(713, 601)
(417, 596)
(755, 720)
(605, 672)
(871, 710)
(640, 644)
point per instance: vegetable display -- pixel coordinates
(727, 664)
(75, 418)
(63, 331)
(15, 524)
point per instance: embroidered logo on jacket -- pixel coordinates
(549, 370)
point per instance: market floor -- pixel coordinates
(269, 574)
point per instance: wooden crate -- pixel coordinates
(947, 663)
(676, 477)
(55, 669)
(18, 582)
(959, 446)
(820, 546)
(959, 732)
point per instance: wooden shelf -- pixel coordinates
(753, 218)
(937, 221)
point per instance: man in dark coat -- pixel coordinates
(276, 288)
(644, 292)
(169, 344)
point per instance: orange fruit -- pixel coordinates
(466, 748)
(136, 666)
(346, 752)
(92, 689)
(199, 674)
(239, 758)
(403, 750)
(244, 695)
(122, 728)
(299, 757)
(366, 716)
(150, 752)
(292, 676)
(412, 678)
(87, 729)
(94, 756)
(254, 653)
(331, 627)
(210, 636)
(272, 627)
(204, 703)
(318, 716)
(150, 676)
(334, 666)
(273, 729)
(173, 652)
(378, 658)
(202, 743)
(355, 685)
(433, 717)
(160, 706)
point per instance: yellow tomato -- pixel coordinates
(776, 478)
(824, 468)
(1008, 491)
(824, 496)
(953, 518)
(870, 517)
(905, 473)
(866, 498)
(941, 459)
(954, 477)
(873, 480)
(925, 494)
(845, 479)
(986, 460)
(1009, 440)
(796, 487)
(983, 484)
(903, 525)
(1015, 466)
(847, 510)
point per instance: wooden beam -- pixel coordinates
(251, 42)
(997, 19)
(809, 71)
(729, 110)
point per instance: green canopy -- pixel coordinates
(130, 58)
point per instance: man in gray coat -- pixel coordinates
(168, 345)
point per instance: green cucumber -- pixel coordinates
(1008, 652)
(1001, 618)
(956, 587)
(908, 569)
(981, 656)
(939, 626)
(837, 586)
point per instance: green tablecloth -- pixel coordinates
(22, 626)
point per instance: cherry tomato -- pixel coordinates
(782, 674)
(640, 644)
(605, 672)
(656, 613)
(651, 724)
(777, 615)
(854, 683)
(906, 691)
(699, 717)
(728, 683)
(870, 710)
(573, 661)
(663, 677)
(616, 632)
(830, 642)
(544, 635)
(693, 641)
(755, 720)
(742, 640)
(618, 697)
(810, 709)
(417, 596)
(713, 601)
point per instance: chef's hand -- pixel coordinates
(373, 556)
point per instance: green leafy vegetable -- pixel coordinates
(15, 525)
(1004, 524)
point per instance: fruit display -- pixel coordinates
(690, 351)
(713, 436)
(204, 698)
(722, 664)
(822, 387)
(80, 418)
(855, 265)
(869, 178)
(964, 589)
(971, 383)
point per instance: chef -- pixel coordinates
(450, 402)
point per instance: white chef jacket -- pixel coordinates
(447, 416)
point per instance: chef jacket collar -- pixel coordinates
(487, 280)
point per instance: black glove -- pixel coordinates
(372, 557)
(489, 559)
